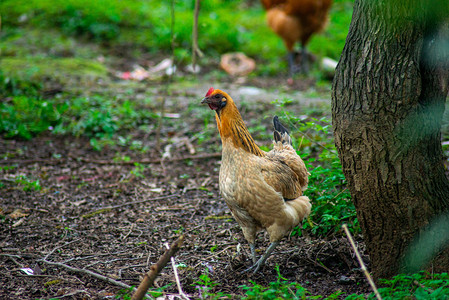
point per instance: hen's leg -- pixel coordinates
(292, 68)
(253, 252)
(262, 260)
(304, 60)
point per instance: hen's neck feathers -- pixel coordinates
(231, 127)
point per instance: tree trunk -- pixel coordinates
(388, 101)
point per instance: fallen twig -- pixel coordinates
(155, 269)
(83, 271)
(362, 265)
(71, 294)
(59, 247)
(175, 271)
(108, 208)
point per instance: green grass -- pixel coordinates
(422, 285)
(25, 114)
(24, 183)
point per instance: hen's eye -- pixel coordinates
(217, 96)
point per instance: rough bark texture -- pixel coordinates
(387, 105)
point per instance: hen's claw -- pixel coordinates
(262, 260)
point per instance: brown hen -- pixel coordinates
(296, 21)
(263, 190)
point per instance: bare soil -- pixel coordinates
(94, 213)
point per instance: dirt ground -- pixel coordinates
(113, 219)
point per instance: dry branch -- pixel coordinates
(362, 265)
(83, 271)
(155, 269)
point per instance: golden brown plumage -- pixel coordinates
(263, 190)
(296, 21)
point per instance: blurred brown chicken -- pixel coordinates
(263, 190)
(296, 21)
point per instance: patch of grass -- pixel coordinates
(331, 41)
(126, 294)
(11, 86)
(138, 170)
(279, 289)
(62, 70)
(25, 117)
(25, 114)
(25, 183)
(282, 289)
(48, 43)
(422, 285)
(101, 118)
(205, 286)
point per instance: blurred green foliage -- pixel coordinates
(24, 113)
(422, 285)
(224, 26)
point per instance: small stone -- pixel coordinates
(344, 280)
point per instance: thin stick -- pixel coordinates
(175, 271)
(83, 271)
(362, 265)
(155, 269)
(59, 247)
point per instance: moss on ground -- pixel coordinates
(61, 70)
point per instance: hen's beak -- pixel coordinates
(214, 103)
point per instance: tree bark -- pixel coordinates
(388, 101)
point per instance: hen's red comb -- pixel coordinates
(209, 91)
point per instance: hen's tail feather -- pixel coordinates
(280, 133)
(301, 207)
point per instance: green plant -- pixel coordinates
(11, 86)
(279, 289)
(205, 285)
(126, 294)
(26, 116)
(24, 113)
(25, 183)
(422, 286)
(138, 170)
(100, 118)
(7, 168)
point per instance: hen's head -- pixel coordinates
(216, 99)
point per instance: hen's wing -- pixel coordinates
(284, 170)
